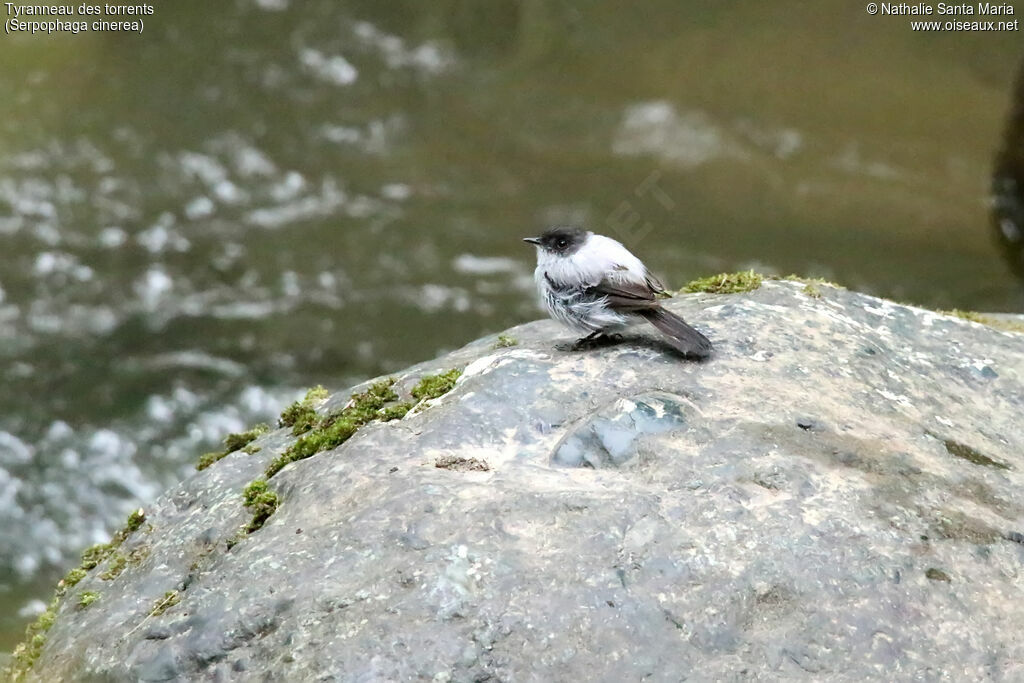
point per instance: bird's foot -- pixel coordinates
(582, 345)
(595, 340)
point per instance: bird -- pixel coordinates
(593, 284)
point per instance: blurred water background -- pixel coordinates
(256, 196)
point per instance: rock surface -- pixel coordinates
(836, 494)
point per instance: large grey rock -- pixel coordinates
(835, 495)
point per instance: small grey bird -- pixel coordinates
(594, 284)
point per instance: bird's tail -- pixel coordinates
(683, 338)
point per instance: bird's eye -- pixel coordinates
(562, 243)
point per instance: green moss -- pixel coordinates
(504, 341)
(280, 462)
(169, 600)
(336, 428)
(251, 449)
(748, 281)
(396, 411)
(26, 653)
(726, 283)
(364, 406)
(132, 524)
(991, 321)
(302, 419)
(435, 386)
(95, 554)
(138, 555)
(207, 459)
(290, 415)
(47, 619)
(118, 561)
(135, 520)
(965, 452)
(301, 415)
(377, 402)
(263, 502)
(232, 443)
(253, 491)
(87, 598)
(372, 404)
(317, 393)
(336, 433)
(973, 316)
(71, 579)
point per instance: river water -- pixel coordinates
(255, 196)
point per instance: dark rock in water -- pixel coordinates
(793, 508)
(1008, 184)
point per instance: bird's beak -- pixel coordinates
(532, 240)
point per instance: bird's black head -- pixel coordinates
(560, 240)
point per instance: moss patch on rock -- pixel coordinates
(169, 600)
(396, 411)
(504, 341)
(749, 280)
(232, 442)
(965, 452)
(378, 402)
(726, 283)
(301, 415)
(96, 554)
(236, 442)
(435, 386)
(118, 561)
(26, 653)
(263, 503)
(207, 459)
(72, 577)
(337, 427)
(991, 321)
(87, 598)
(812, 290)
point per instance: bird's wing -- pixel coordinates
(625, 295)
(622, 272)
(655, 284)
